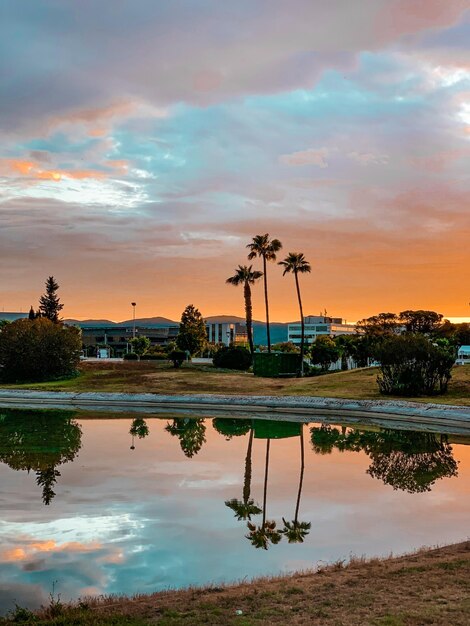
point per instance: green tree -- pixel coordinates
(379, 325)
(411, 364)
(263, 247)
(286, 346)
(36, 350)
(296, 263)
(139, 345)
(324, 351)
(246, 276)
(425, 322)
(49, 303)
(192, 336)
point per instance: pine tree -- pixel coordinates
(32, 313)
(49, 303)
(192, 334)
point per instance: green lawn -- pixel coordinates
(162, 378)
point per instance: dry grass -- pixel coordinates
(157, 377)
(428, 587)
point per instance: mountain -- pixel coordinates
(150, 321)
(90, 322)
(278, 332)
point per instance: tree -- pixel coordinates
(246, 276)
(261, 246)
(412, 365)
(32, 314)
(37, 350)
(425, 322)
(139, 345)
(49, 303)
(296, 263)
(287, 347)
(324, 351)
(379, 325)
(192, 336)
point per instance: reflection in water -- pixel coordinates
(410, 461)
(190, 432)
(39, 441)
(130, 523)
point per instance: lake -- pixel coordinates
(104, 504)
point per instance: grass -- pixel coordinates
(162, 378)
(427, 587)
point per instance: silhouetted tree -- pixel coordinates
(190, 432)
(263, 247)
(192, 336)
(246, 276)
(49, 304)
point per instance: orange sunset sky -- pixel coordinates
(143, 145)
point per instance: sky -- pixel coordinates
(143, 145)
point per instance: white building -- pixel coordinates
(226, 332)
(316, 325)
(463, 355)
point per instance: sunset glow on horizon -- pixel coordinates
(143, 145)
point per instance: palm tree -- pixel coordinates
(246, 276)
(296, 531)
(296, 263)
(261, 246)
(245, 508)
(261, 536)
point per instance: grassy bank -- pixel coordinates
(158, 377)
(428, 587)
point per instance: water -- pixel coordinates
(88, 507)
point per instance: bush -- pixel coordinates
(178, 357)
(131, 356)
(38, 350)
(156, 356)
(412, 365)
(233, 358)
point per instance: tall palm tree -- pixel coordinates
(296, 531)
(261, 246)
(295, 263)
(246, 276)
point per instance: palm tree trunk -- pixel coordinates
(265, 278)
(265, 492)
(301, 480)
(247, 480)
(249, 316)
(302, 325)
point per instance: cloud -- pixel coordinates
(307, 157)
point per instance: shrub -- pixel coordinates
(233, 358)
(178, 357)
(412, 365)
(38, 350)
(131, 356)
(156, 356)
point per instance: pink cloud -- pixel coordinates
(307, 157)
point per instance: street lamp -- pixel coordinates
(133, 319)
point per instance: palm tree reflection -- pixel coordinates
(296, 531)
(246, 507)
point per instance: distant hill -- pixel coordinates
(150, 321)
(90, 322)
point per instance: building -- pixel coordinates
(463, 356)
(316, 325)
(116, 338)
(226, 333)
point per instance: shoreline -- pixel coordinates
(429, 415)
(430, 585)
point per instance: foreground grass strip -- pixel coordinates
(162, 378)
(428, 587)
